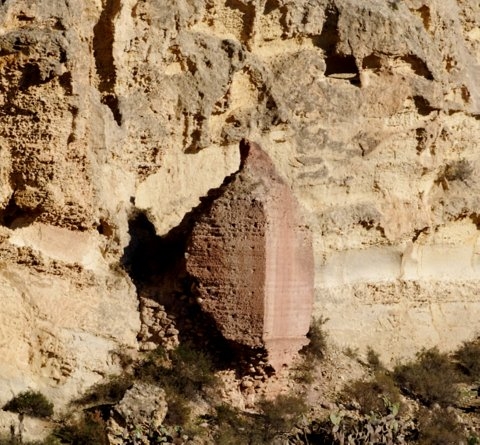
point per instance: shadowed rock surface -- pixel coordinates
(252, 257)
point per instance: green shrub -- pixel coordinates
(109, 392)
(317, 347)
(431, 378)
(374, 396)
(439, 427)
(31, 403)
(192, 366)
(373, 360)
(281, 414)
(312, 353)
(184, 370)
(89, 430)
(152, 367)
(182, 373)
(362, 430)
(278, 417)
(235, 427)
(179, 410)
(304, 371)
(468, 356)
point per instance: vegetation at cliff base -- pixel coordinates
(420, 402)
(431, 378)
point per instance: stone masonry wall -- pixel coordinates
(252, 259)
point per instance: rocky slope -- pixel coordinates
(114, 108)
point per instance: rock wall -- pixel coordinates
(369, 110)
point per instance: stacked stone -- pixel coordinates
(252, 258)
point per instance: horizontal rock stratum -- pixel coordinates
(252, 259)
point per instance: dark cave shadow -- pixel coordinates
(157, 266)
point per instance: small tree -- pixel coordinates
(30, 403)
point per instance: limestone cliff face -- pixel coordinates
(369, 110)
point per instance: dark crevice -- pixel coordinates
(111, 101)
(148, 255)
(58, 25)
(341, 66)
(418, 232)
(14, 110)
(423, 106)
(103, 39)
(105, 228)
(372, 62)
(422, 137)
(194, 126)
(32, 76)
(270, 6)
(329, 37)
(367, 224)
(466, 96)
(63, 56)
(475, 217)
(284, 21)
(371, 224)
(14, 216)
(72, 136)
(66, 82)
(22, 17)
(425, 15)
(248, 11)
(191, 66)
(418, 66)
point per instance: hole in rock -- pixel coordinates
(32, 76)
(424, 12)
(423, 106)
(270, 5)
(103, 41)
(247, 12)
(14, 216)
(338, 65)
(344, 67)
(372, 62)
(418, 66)
(105, 228)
